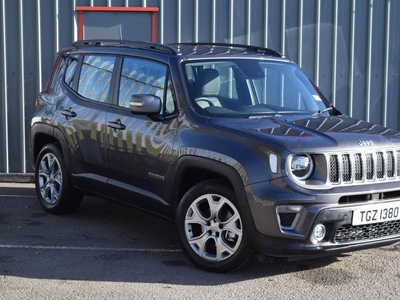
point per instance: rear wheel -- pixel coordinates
(210, 228)
(55, 193)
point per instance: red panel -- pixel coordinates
(80, 25)
(153, 27)
(153, 10)
(117, 8)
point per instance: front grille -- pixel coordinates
(363, 167)
(370, 167)
(398, 163)
(346, 170)
(358, 167)
(349, 233)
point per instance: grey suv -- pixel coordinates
(232, 142)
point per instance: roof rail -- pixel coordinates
(268, 51)
(127, 44)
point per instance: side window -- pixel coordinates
(72, 62)
(169, 98)
(95, 77)
(144, 77)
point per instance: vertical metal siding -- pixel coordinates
(351, 83)
(179, 21)
(350, 48)
(317, 41)
(4, 165)
(386, 70)
(300, 38)
(39, 45)
(283, 25)
(21, 79)
(335, 51)
(369, 66)
(265, 28)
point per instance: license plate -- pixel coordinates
(376, 213)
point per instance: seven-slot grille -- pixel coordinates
(360, 167)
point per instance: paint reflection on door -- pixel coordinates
(139, 149)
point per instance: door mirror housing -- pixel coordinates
(144, 104)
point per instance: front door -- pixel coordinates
(139, 149)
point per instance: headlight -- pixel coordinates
(302, 166)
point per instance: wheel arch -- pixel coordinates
(191, 170)
(43, 134)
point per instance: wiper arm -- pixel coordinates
(323, 110)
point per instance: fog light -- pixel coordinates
(319, 232)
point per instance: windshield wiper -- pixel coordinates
(263, 116)
(279, 114)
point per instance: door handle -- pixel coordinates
(117, 125)
(69, 113)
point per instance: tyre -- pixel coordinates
(210, 228)
(53, 189)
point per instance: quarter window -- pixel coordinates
(70, 71)
(95, 77)
(169, 99)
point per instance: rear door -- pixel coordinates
(82, 115)
(139, 149)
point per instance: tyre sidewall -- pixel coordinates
(241, 254)
(60, 206)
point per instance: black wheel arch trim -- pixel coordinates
(55, 133)
(222, 169)
(42, 129)
(207, 164)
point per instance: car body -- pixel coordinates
(233, 142)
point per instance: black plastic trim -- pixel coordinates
(257, 49)
(127, 44)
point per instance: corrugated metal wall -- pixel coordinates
(349, 47)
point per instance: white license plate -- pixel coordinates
(376, 213)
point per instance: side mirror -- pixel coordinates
(143, 104)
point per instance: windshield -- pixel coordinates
(251, 88)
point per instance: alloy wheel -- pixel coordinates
(50, 178)
(213, 227)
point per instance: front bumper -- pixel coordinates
(269, 237)
(295, 250)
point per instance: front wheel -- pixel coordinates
(210, 228)
(55, 193)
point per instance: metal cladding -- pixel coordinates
(349, 48)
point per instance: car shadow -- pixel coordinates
(105, 241)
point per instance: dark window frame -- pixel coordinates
(167, 86)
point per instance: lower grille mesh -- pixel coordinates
(349, 233)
